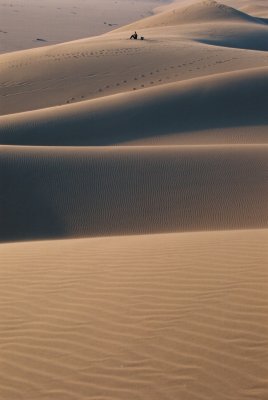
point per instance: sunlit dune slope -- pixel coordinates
(236, 99)
(142, 317)
(109, 64)
(199, 12)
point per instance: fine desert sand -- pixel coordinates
(33, 23)
(133, 208)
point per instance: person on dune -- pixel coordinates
(134, 36)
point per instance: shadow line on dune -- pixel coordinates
(218, 101)
(249, 44)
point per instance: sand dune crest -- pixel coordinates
(199, 12)
(226, 100)
(151, 158)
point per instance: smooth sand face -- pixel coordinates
(142, 167)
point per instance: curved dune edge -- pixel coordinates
(227, 100)
(155, 317)
(95, 67)
(198, 12)
(143, 215)
(74, 192)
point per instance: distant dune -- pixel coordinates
(202, 11)
(134, 212)
(25, 24)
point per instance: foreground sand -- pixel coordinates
(142, 166)
(139, 317)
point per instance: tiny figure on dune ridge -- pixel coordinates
(134, 36)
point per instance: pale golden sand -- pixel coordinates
(140, 317)
(143, 167)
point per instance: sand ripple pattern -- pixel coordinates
(72, 192)
(176, 316)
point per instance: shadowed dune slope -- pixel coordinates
(241, 36)
(70, 192)
(176, 316)
(237, 99)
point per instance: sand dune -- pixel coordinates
(156, 317)
(224, 101)
(67, 192)
(256, 8)
(203, 11)
(97, 67)
(241, 36)
(142, 166)
(211, 22)
(259, 11)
